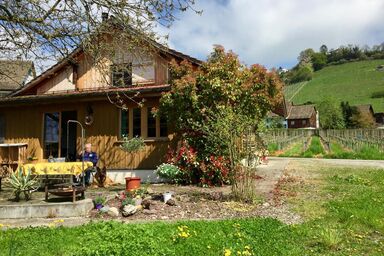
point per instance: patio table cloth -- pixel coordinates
(58, 168)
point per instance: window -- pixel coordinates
(51, 134)
(292, 122)
(122, 75)
(132, 119)
(136, 122)
(304, 122)
(163, 127)
(124, 119)
(151, 124)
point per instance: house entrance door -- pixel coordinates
(71, 147)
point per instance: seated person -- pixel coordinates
(89, 156)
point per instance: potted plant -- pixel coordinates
(23, 183)
(133, 145)
(99, 202)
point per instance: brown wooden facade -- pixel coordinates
(66, 87)
(24, 124)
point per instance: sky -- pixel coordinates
(273, 32)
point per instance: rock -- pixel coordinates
(146, 204)
(171, 202)
(104, 209)
(113, 212)
(128, 210)
(149, 212)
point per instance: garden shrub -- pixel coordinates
(170, 172)
(212, 171)
(216, 103)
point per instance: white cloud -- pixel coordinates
(274, 32)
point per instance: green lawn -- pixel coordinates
(354, 82)
(343, 211)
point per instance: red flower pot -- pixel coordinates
(132, 183)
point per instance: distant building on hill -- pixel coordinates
(288, 115)
(302, 116)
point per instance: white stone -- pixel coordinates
(113, 211)
(128, 210)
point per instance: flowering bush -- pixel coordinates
(192, 169)
(170, 172)
(214, 171)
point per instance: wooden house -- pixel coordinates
(73, 89)
(302, 116)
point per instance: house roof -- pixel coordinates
(301, 111)
(87, 94)
(13, 73)
(70, 59)
(365, 108)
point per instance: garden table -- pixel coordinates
(49, 171)
(58, 168)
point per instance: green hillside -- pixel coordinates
(354, 82)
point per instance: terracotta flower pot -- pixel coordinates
(132, 183)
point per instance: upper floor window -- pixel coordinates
(122, 75)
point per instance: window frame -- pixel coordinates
(122, 71)
(45, 153)
(144, 128)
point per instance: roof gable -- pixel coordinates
(71, 60)
(301, 111)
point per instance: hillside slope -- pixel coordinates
(354, 82)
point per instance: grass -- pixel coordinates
(356, 82)
(291, 90)
(257, 236)
(293, 151)
(344, 211)
(272, 147)
(316, 149)
(365, 153)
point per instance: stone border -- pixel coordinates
(46, 210)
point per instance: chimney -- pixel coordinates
(104, 16)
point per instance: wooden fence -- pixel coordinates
(285, 137)
(356, 139)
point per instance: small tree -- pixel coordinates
(331, 115)
(217, 102)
